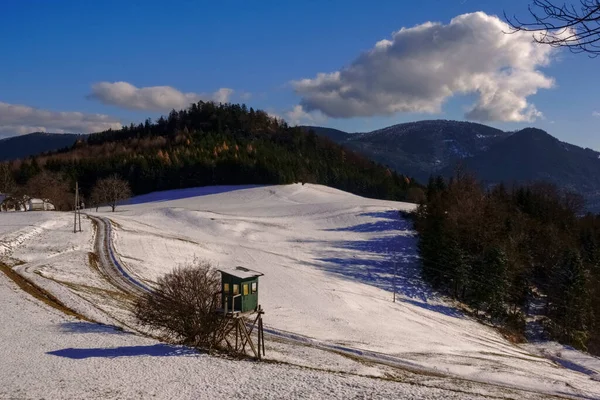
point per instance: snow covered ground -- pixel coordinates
(329, 259)
(44, 354)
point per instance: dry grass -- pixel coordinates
(39, 293)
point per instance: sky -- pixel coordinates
(83, 66)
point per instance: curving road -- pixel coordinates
(109, 263)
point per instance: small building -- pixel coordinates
(39, 205)
(239, 287)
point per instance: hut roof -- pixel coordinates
(241, 272)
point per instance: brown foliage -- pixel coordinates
(183, 306)
(50, 186)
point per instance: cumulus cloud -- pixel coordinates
(222, 95)
(298, 116)
(421, 67)
(153, 98)
(596, 114)
(20, 119)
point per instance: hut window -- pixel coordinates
(245, 289)
(236, 289)
(226, 287)
(253, 287)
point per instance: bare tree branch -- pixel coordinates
(182, 307)
(110, 191)
(576, 27)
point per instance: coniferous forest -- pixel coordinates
(217, 144)
(515, 254)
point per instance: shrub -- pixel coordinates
(183, 306)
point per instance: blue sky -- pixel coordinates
(61, 60)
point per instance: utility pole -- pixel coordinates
(76, 199)
(77, 210)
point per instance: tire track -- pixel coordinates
(109, 263)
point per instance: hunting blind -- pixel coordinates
(239, 299)
(239, 288)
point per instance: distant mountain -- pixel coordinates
(425, 148)
(533, 155)
(420, 148)
(35, 143)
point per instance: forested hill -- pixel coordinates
(224, 144)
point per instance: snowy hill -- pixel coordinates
(329, 259)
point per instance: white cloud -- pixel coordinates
(596, 114)
(419, 68)
(222, 95)
(298, 116)
(20, 119)
(154, 98)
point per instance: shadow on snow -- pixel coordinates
(156, 350)
(177, 194)
(384, 262)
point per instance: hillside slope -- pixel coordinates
(328, 259)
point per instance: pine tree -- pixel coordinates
(569, 300)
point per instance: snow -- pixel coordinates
(328, 259)
(241, 272)
(568, 357)
(47, 355)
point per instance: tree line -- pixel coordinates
(210, 144)
(508, 253)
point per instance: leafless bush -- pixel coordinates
(110, 191)
(183, 306)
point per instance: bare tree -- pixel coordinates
(576, 27)
(182, 307)
(50, 186)
(110, 191)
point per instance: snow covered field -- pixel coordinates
(329, 259)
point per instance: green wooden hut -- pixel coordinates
(239, 287)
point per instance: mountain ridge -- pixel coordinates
(435, 147)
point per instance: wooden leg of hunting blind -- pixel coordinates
(229, 346)
(245, 332)
(259, 339)
(250, 331)
(262, 336)
(237, 333)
